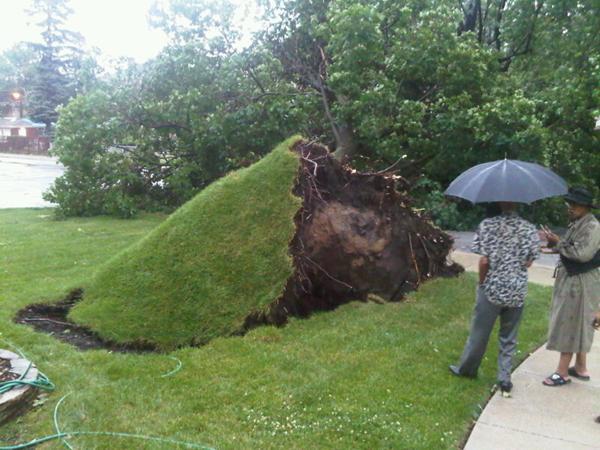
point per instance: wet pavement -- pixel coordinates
(464, 239)
(23, 179)
(536, 416)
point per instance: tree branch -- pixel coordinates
(255, 78)
(525, 46)
(495, 37)
(479, 15)
(334, 128)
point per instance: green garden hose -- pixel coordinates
(63, 435)
(52, 437)
(56, 426)
(42, 382)
(175, 370)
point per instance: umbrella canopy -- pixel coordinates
(507, 180)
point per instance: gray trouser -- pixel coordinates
(484, 317)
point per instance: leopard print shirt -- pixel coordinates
(509, 242)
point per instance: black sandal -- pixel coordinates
(574, 373)
(555, 380)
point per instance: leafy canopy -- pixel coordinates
(431, 87)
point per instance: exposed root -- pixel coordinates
(355, 236)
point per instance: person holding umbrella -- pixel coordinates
(508, 244)
(576, 296)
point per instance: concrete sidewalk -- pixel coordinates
(539, 417)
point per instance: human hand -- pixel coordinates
(547, 234)
(548, 250)
(596, 322)
(484, 265)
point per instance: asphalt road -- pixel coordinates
(23, 179)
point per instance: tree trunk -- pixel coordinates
(346, 145)
(472, 14)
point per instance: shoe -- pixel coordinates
(574, 373)
(505, 388)
(456, 371)
(555, 380)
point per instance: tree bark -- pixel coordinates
(471, 12)
(346, 143)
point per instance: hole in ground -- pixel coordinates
(52, 319)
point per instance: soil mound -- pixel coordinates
(356, 234)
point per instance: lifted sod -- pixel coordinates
(198, 274)
(294, 233)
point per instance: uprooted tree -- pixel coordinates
(433, 86)
(294, 233)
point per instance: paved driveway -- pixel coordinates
(23, 179)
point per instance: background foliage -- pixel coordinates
(430, 87)
(49, 72)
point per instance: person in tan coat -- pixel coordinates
(597, 327)
(576, 296)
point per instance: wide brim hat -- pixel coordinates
(580, 196)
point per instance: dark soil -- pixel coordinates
(5, 374)
(52, 319)
(356, 235)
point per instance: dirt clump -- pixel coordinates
(356, 234)
(5, 373)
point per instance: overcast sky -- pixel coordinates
(117, 27)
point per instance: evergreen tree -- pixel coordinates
(16, 65)
(53, 81)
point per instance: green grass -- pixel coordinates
(221, 256)
(363, 376)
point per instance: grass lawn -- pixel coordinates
(363, 376)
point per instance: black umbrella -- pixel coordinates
(507, 180)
